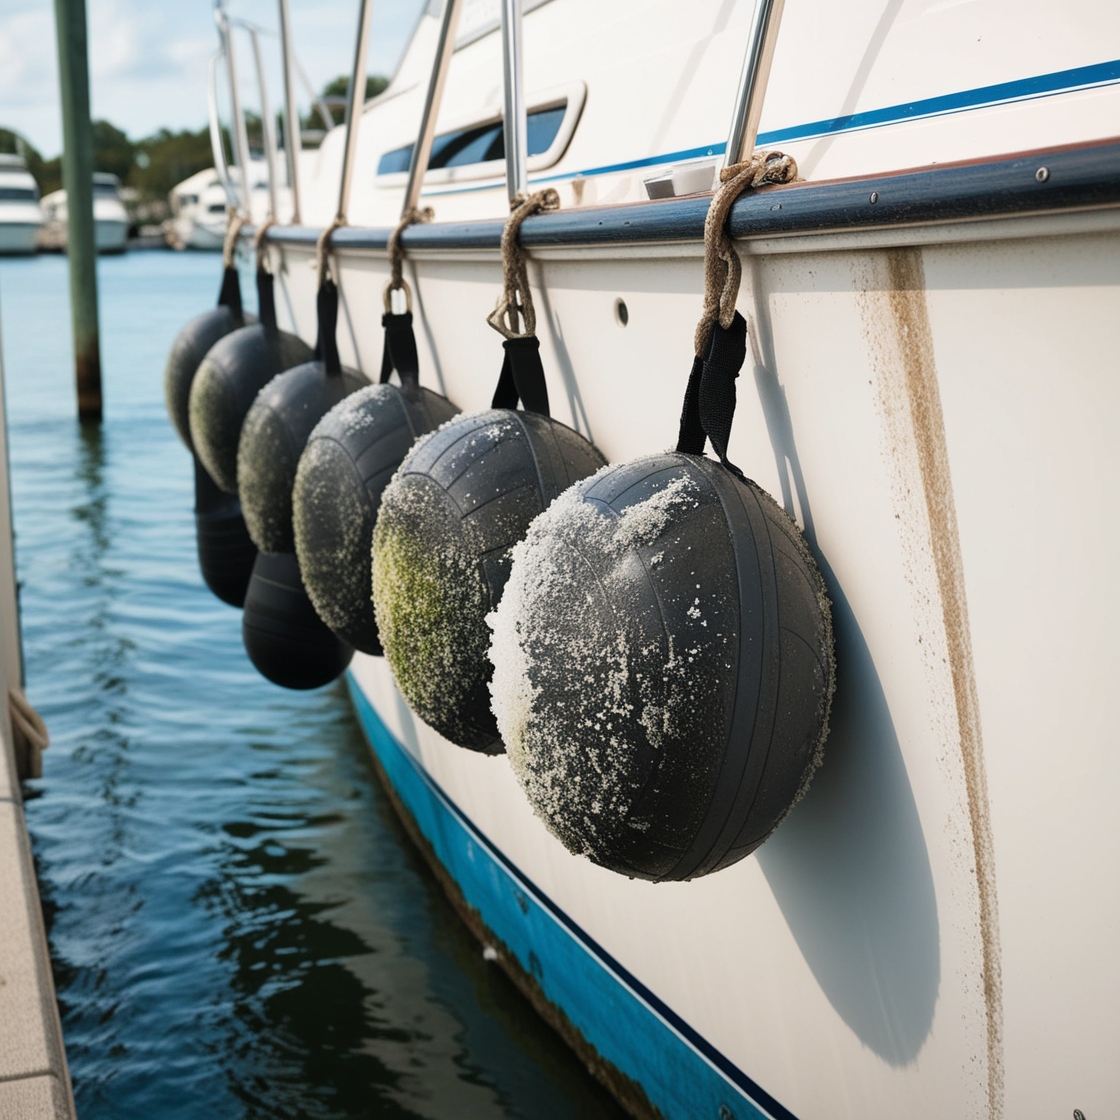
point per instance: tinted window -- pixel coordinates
(481, 144)
(473, 145)
(543, 127)
(104, 190)
(18, 194)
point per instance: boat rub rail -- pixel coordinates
(1071, 177)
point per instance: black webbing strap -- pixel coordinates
(399, 352)
(326, 348)
(709, 400)
(266, 302)
(522, 377)
(229, 295)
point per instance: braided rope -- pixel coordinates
(259, 246)
(323, 249)
(516, 298)
(410, 217)
(28, 720)
(233, 232)
(723, 271)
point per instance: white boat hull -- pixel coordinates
(110, 235)
(18, 238)
(189, 232)
(932, 396)
(885, 953)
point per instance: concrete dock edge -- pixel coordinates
(34, 1078)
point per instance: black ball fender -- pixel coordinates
(441, 554)
(273, 437)
(283, 636)
(190, 347)
(225, 550)
(228, 380)
(663, 667)
(349, 459)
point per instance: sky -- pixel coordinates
(149, 58)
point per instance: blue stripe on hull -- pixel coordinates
(684, 1076)
(1095, 76)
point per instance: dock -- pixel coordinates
(34, 1078)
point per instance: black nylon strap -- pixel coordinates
(399, 352)
(690, 439)
(522, 377)
(326, 348)
(229, 295)
(266, 301)
(709, 400)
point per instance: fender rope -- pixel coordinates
(233, 232)
(414, 215)
(323, 249)
(326, 303)
(723, 271)
(399, 349)
(30, 734)
(229, 295)
(721, 335)
(516, 298)
(259, 246)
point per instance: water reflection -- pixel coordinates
(238, 927)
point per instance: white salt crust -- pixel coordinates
(582, 787)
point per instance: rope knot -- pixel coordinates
(414, 215)
(723, 271)
(516, 301)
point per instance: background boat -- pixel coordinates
(110, 218)
(20, 216)
(200, 206)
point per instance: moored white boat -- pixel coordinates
(20, 216)
(200, 205)
(110, 218)
(931, 932)
(198, 212)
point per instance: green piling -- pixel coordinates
(77, 178)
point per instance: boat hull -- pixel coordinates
(652, 1061)
(18, 238)
(110, 235)
(883, 954)
(189, 232)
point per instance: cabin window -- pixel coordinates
(481, 143)
(217, 208)
(105, 190)
(18, 194)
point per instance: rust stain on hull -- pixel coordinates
(629, 1094)
(903, 287)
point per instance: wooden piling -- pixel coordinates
(77, 178)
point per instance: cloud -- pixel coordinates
(148, 58)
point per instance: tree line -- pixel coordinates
(156, 163)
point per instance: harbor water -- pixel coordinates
(238, 925)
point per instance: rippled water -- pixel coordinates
(238, 926)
